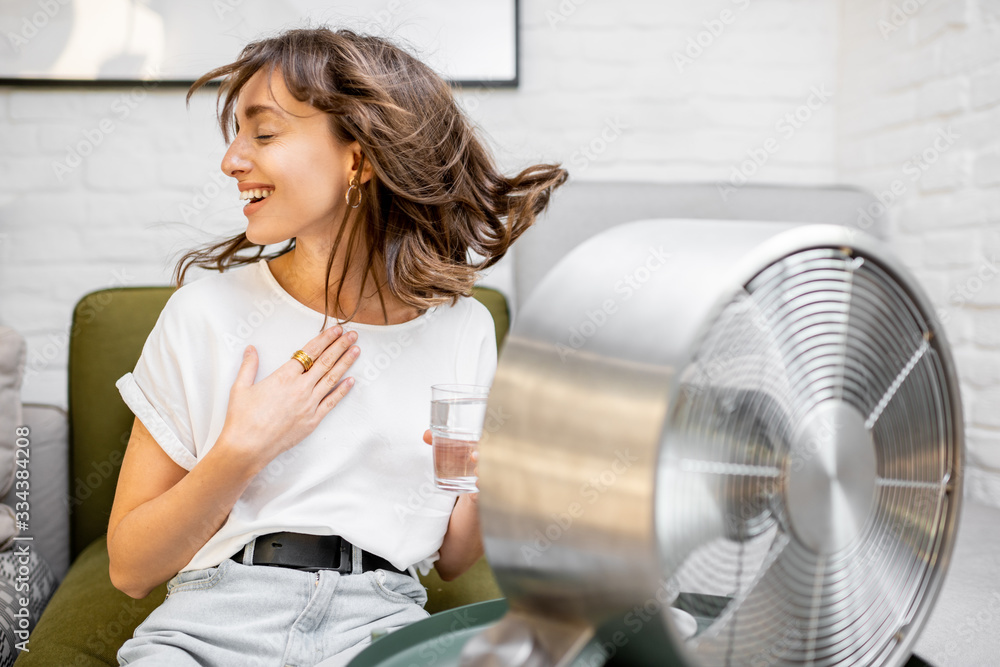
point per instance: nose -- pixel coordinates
(236, 161)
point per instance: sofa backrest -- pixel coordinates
(108, 331)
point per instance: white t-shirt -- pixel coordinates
(365, 473)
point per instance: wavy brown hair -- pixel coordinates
(434, 193)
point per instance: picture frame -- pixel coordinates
(173, 42)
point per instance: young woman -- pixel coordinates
(275, 476)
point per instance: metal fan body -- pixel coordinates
(755, 423)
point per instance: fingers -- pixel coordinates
(428, 438)
(333, 363)
(315, 347)
(330, 400)
(248, 367)
(474, 457)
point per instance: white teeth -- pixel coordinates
(255, 194)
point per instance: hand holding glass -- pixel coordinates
(458, 412)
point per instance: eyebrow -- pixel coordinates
(257, 109)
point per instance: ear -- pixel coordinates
(355, 151)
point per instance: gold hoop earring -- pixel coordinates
(355, 185)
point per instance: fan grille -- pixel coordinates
(812, 446)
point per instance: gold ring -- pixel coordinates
(303, 359)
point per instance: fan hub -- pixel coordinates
(831, 477)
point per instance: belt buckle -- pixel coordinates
(344, 560)
(308, 553)
(346, 564)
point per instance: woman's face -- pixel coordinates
(284, 151)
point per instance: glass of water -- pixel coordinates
(458, 412)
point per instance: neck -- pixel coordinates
(302, 273)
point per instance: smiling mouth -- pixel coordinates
(255, 195)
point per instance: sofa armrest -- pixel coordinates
(48, 498)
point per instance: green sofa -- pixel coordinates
(87, 619)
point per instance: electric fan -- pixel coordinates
(720, 443)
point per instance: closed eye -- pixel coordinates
(264, 136)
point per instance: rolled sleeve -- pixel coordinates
(165, 436)
(163, 388)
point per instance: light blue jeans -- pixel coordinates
(264, 616)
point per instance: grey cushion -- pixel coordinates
(49, 468)
(24, 575)
(13, 356)
(30, 581)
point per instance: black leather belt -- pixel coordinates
(311, 553)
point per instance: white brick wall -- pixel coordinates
(147, 187)
(109, 187)
(905, 77)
